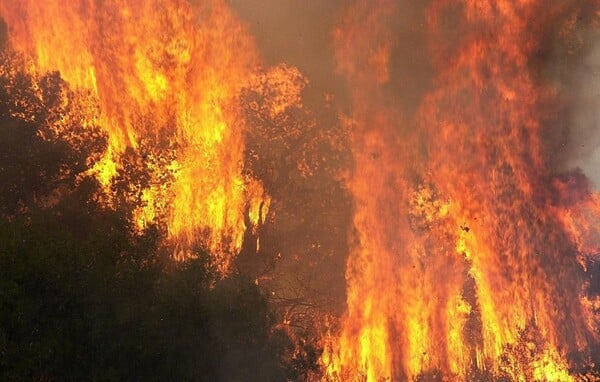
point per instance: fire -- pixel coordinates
(468, 259)
(166, 75)
(469, 248)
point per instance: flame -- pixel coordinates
(465, 261)
(166, 73)
(468, 251)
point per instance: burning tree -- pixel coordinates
(417, 220)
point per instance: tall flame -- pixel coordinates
(469, 251)
(467, 262)
(168, 72)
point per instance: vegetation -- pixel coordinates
(84, 295)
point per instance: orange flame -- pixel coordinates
(163, 71)
(469, 251)
(464, 265)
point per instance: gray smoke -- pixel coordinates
(584, 119)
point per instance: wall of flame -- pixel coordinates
(469, 251)
(166, 74)
(466, 260)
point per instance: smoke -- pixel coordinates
(584, 118)
(300, 34)
(3, 34)
(295, 32)
(300, 156)
(439, 109)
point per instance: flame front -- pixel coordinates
(469, 249)
(467, 263)
(166, 74)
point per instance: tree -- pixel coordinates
(83, 294)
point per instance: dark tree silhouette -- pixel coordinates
(86, 296)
